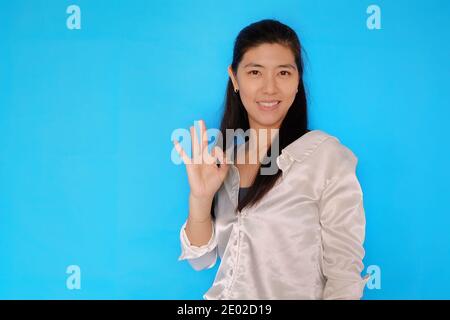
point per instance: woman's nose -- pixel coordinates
(270, 86)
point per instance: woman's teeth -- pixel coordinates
(268, 104)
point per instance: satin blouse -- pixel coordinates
(303, 240)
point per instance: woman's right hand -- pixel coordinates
(204, 176)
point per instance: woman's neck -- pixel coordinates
(259, 142)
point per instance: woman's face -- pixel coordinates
(267, 78)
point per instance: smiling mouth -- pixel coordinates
(268, 105)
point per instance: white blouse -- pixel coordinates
(303, 240)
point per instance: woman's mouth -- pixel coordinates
(268, 105)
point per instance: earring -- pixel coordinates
(236, 90)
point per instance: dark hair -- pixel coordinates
(235, 116)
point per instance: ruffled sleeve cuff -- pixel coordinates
(199, 257)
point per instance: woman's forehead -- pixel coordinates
(268, 55)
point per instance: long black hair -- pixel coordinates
(295, 123)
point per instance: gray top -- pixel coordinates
(242, 192)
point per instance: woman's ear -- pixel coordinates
(233, 79)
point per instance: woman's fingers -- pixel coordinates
(204, 136)
(181, 152)
(200, 153)
(195, 145)
(223, 170)
(199, 147)
(218, 153)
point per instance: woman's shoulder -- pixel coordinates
(320, 146)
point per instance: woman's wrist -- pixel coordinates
(199, 219)
(200, 209)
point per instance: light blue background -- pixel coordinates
(86, 118)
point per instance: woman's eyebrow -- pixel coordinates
(255, 65)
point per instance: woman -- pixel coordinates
(297, 233)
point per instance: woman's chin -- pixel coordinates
(268, 122)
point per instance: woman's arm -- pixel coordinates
(343, 223)
(197, 236)
(199, 228)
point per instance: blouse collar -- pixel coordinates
(297, 150)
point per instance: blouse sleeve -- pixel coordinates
(199, 258)
(342, 220)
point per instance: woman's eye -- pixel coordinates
(253, 72)
(285, 73)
